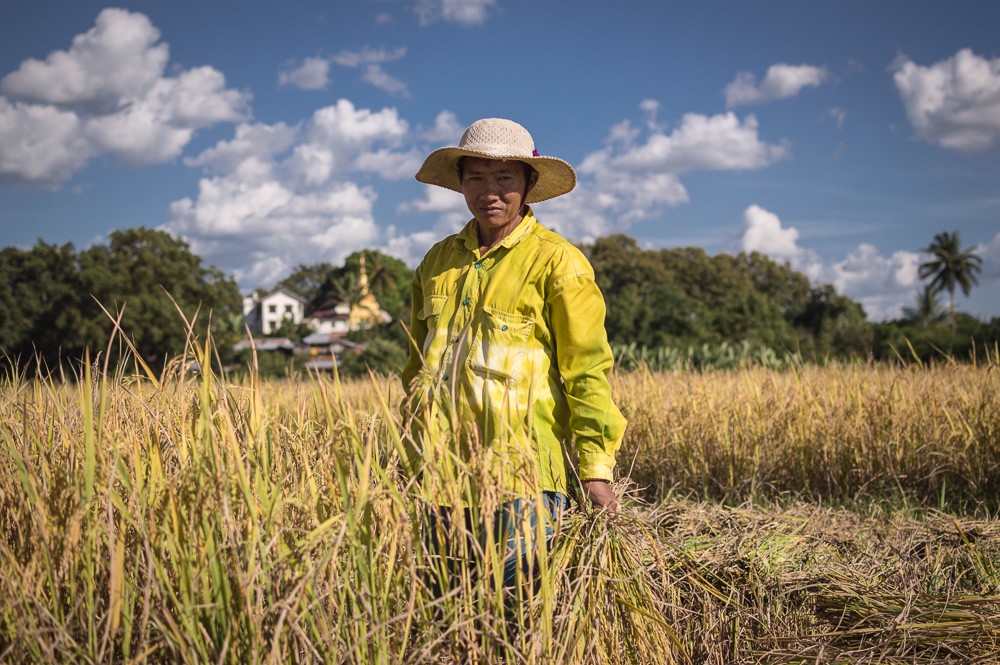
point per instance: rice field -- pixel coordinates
(841, 514)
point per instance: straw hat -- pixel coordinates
(496, 138)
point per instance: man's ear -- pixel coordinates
(532, 181)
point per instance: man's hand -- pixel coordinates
(600, 495)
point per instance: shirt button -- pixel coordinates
(478, 266)
(446, 377)
(504, 328)
(466, 302)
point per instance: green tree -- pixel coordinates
(928, 310)
(388, 277)
(40, 304)
(311, 282)
(49, 297)
(381, 273)
(140, 270)
(345, 288)
(293, 331)
(380, 355)
(834, 322)
(684, 297)
(950, 266)
(644, 303)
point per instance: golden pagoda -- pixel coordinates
(366, 312)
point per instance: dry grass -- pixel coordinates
(189, 519)
(924, 435)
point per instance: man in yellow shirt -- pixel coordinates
(509, 358)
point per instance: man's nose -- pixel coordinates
(490, 187)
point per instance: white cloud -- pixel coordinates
(838, 116)
(257, 140)
(586, 214)
(259, 229)
(411, 248)
(990, 254)
(781, 81)
(467, 12)
(116, 59)
(839, 152)
(342, 126)
(437, 200)
(446, 129)
(631, 178)
(282, 195)
(622, 133)
(651, 107)
(389, 164)
(378, 77)
(719, 143)
(370, 61)
(40, 143)
(864, 271)
(367, 56)
(312, 74)
(107, 94)
(157, 127)
(198, 98)
(452, 214)
(882, 284)
(762, 232)
(954, 103)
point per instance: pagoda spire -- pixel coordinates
(363, 277)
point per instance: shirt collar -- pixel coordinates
(470, 234)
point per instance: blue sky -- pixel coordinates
(840, 137)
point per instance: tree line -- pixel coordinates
(685, 298)
(51, 300)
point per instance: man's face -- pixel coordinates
(494, 190)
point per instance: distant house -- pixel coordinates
(282, 344)
(333, 317)
(328, 350)
(319, 344)
(265, 314)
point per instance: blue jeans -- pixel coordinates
(509, 525)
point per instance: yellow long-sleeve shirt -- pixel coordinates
(508, 363)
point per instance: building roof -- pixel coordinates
(266, 344)
(290, 294)
(318, 339)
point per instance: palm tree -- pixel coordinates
(380, 274)
(346, 288)
(928, 309)
(949, 266)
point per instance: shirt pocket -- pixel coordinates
(433, 306)
(498, 350)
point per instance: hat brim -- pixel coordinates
(555, 176)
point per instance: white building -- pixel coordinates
(332, 318)
(264, 314)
